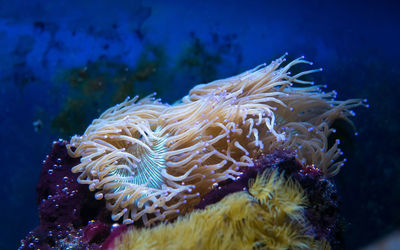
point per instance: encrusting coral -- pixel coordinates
(152, 161)
(269, 216)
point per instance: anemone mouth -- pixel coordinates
(147, 171)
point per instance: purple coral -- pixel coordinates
(66, 207)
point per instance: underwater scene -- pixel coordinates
(200, 124)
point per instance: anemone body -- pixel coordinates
(152, 161)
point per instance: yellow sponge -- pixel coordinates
(268, 216)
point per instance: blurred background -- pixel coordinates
(62, 63)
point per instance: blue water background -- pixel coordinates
(356, 42)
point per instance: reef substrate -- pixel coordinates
(70, 217)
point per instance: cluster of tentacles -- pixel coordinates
(153, 161)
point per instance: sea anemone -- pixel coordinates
(152, 161)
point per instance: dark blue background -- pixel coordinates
(356, 42)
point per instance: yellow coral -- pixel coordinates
(269, 216)
(152, 161)
(290, 201)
